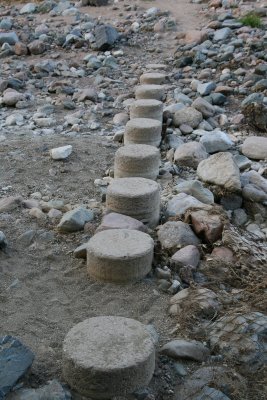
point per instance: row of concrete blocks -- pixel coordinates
(104, 357)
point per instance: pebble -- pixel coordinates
(61, 153)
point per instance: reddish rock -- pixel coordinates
(10, 203)
(20, 49)
(194, 36)
(223, 253)
(207, 226)
(37, 47)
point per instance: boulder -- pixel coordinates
(189, 116)
(190, 154)
(176, 234)
(216, 141)
(182, 202)
(255, 147)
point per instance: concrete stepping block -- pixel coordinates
(138, 198)
(153, 78)
(119, 255)
(147, 108)
(108, 356)
(156, 92)
(143, 131)
(136, 160)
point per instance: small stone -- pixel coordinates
(120, 221)
(207, 226)
(204, 89)
(176, 234)
(37, 47)
(61, 153)
(81, 251)
(12, 97)
(20, 49)
(184, 349)
(105, 37)
(8, 37)
(188, 255)
(216, 141)
(53, 390)
(37, 213)
(182, 202)
(255, 147)
(189, 116)
(203, 106)
(75, 220)
(10, 203)
(190, 154)
(222, 34)
(239, 217)
(197, 190)
(224, 254)
(28, 8)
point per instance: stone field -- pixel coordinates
(133, 200)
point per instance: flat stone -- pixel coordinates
(156, 92)
(196, 189)
(185, 349)
(53, 390)
(8, 37)
(15, 361)
(188, 255)
(216, 141)
(75, 220)
(182, 202)
(222, 34)
(220, 169)
(255, 147)
(153, 78)
(61, 153)
(190, 154)
(176, 234)
(120, 221)
(119, 255)
(104, 357)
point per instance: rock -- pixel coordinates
(15, 360)
(182, 202)
(12, 97)
(185, 349)
(10, 203)
(242, 162)
(174, 141)
(207, 226)
(20, 49)
(202, 302)
(37, 213)
(37, 47)
(176, 234)
(241, 338)
(120, 221)
(239, 217)
(252, 98)
(216, 141)
(220, 169)
(195, 36)
(105, 37)
(256, 115)
(8, 37)
(222, 34)
(61, 153)
(81, 251)
(197, 190)
(204, 89)
(188, 255)
(231, 201)
(53, 390)
(3, 241)
(75, 220)
(189, 116)
(28, 8)
(203, 106)
(255, 147)
(86, 94)
(120, 119)
(224, 254)
(190, 154)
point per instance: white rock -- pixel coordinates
(60, 153)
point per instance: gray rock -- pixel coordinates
(105, 37)
(216, 141)
(197, 190)
(174, 141)
(8, 37)
(185, 349)
(204, 89)
(203, 106)
(6, 24)
(3, 241)
(52, 391)
(28, 8)
(253, 193)
(75, 220)
(189, 116)
(190, 154)
(15, 360)
(176, 234)
(222, 34)
(182, 202)
(242, 161)
(188, 255)
(182, 98)
(255, 147)
(81, 251)
(120, 221)
(253, 98)
(239, 217)
(220, 169)
(231, 201)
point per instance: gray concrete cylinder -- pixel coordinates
(147, 108)
(135, 160)
(119, 255)
(143, 131)
(153, 78)
(136, 197)
(104, 357)
(155, 92)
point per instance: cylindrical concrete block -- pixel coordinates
(119, 255)
(137, 160)
(156, 92)
(147, 108)
(143, 131)
(137, 197)
(104, 357)
(153, 78)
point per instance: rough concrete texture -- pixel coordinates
(137, 160)
(143, 131)
(153, 78)
(119, 255)
(147, 108)
(108, 356)
(136, 197)
(156, 92)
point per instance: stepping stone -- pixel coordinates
(156, 92)
(119, 255)
(143, 131)
(104, 357)
(147, 108)
(136, 197)
(136, 160)
(154, 78)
